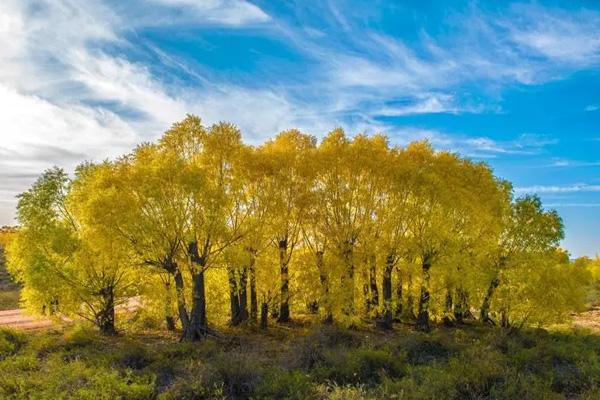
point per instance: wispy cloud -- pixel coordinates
(592, 107)
(584, 205)
(574, 188)
(562, 163)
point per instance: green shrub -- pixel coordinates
(359, 366)
(10, 342)
(238, 373)
(281, 384)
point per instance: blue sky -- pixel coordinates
(514, 84)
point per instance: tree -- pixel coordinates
(528, 232)
(288, 181)
(66, 262)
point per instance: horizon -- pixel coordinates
(515, 85)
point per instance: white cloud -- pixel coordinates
(571, 37)
(229, 12)
(575, 188)
(592, 107)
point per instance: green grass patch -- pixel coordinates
(324, 363)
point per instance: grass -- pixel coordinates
(472, 362)
(9, 299)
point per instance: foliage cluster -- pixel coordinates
(200, 227)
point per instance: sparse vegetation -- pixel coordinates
(473, 362)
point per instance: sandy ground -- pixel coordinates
(589, 320)
(19, 320)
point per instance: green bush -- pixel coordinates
(10, 342)
(281, 384)
(359, 366)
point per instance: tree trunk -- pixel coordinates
(243, 294)
(233, 296)
(504, 321)
(484, 313)
(373, 283)
(264, 315)
(423, 316)
(348, 279)
(461, 307)
(181, 306)
(325, 300)
(410, 300)
(106, 316)
(398, 310)
(284, 305)
(198, 326)
(169, 317)
(366, 291)
(448, 308)
(252, 279)
(387, 318)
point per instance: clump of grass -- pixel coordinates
(10, 342)
(9, 299)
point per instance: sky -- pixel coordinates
(516, 85)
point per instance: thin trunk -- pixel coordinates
(504, 321)
(284, 305)
(422, 323)
(348, 279)
(325, 300)
(387, 318)
(448, 308)
(410, 300)
(252, 279)
(373, 282)
(484, 313)
(169, 317)
(264, 315)
(398, 310)
(461, 307)
(181, 306)
(233, 296)
(243, 294)
(366, 291)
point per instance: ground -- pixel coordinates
(302, 362)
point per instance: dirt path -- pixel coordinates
(17, 319)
